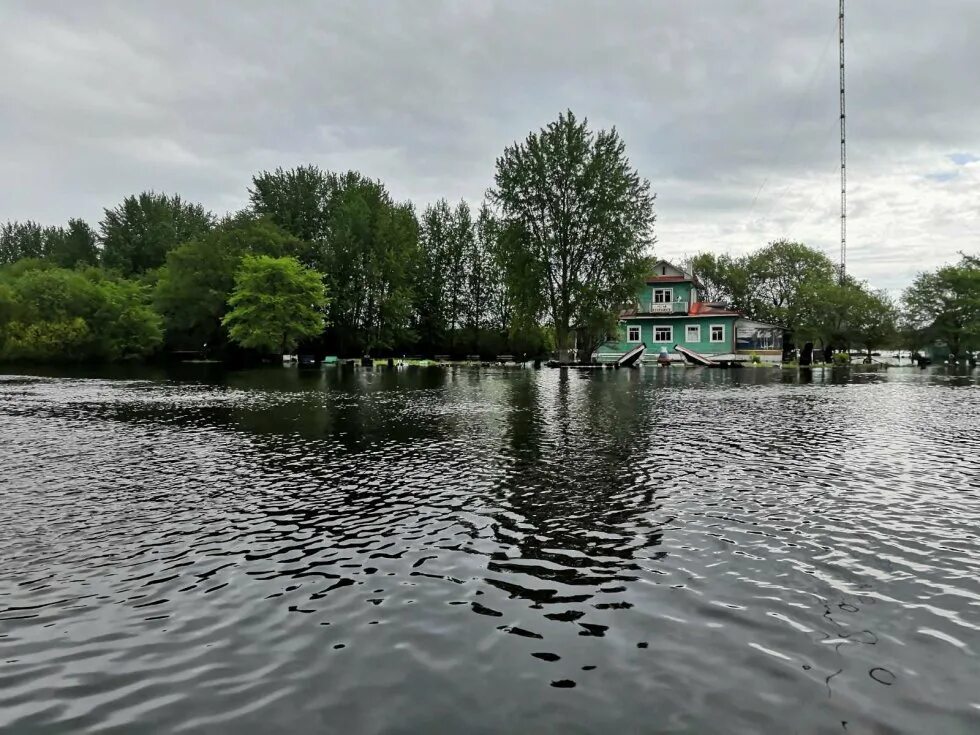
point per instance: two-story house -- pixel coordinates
(668, 313)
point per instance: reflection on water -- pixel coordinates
(430, 550)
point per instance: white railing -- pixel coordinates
(669, 307)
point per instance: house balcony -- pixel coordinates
(669, 307)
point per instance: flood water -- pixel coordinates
(433, 550)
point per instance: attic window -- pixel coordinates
(663, 270)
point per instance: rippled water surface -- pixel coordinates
(499, 551)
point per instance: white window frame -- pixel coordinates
(711, 333)
(639, 333)
(669, 293)
(670, 332)
(687, 333)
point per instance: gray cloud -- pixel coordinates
(729, 108)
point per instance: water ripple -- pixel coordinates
(490, 550)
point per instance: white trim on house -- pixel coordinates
(631, 317)
(711, 333)
(667, 295)
(639, 333)
(670, 332)
(687, 333)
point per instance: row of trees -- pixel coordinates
(795, 286)
(943, 306)
(798, 287)
(562, 241)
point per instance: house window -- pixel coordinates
(663, 334)
(717, 332)
(632, 334)
(663, 295)
(692, 333)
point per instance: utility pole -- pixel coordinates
(843, 152)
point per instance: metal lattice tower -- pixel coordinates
(843, 152)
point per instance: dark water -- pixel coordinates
(429, 550)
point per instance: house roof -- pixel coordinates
(679, 275)
(703, 308)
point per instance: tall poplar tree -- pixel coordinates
(138, 233)
(582, 220)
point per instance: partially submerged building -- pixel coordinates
(668, 313)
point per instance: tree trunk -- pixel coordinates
(561, 343)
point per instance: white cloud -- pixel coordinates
(731, 112)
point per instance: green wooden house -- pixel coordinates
(667, 313)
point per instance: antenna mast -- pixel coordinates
(843, 152)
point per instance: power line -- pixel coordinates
(788, 132)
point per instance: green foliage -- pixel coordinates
(19, 240)
(797, 287)
(139, 232)
(194, 285)
(561, 244)
(723, 279)
(779, 276)
(580, 219)
(276, 302)
(66, 247)
(364, 241)
(944, 305)
(438, 274)
(54, 314)
(875, 320)
(849, 313)
(298, 200)
(841, 358)
(71, 246)
(369, 255)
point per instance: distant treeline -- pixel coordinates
(329, 262)
(561, 240)
(797, 287)
(162, 271)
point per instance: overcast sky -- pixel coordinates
(729, 107)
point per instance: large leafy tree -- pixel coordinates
(778, 276)
(875, 322)
(195, 283)
(582, 219)
(276, 303)
(839, 315)
(298, 200)
(944, 305)
(782, 283)
(138, 233)
(723, 279)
